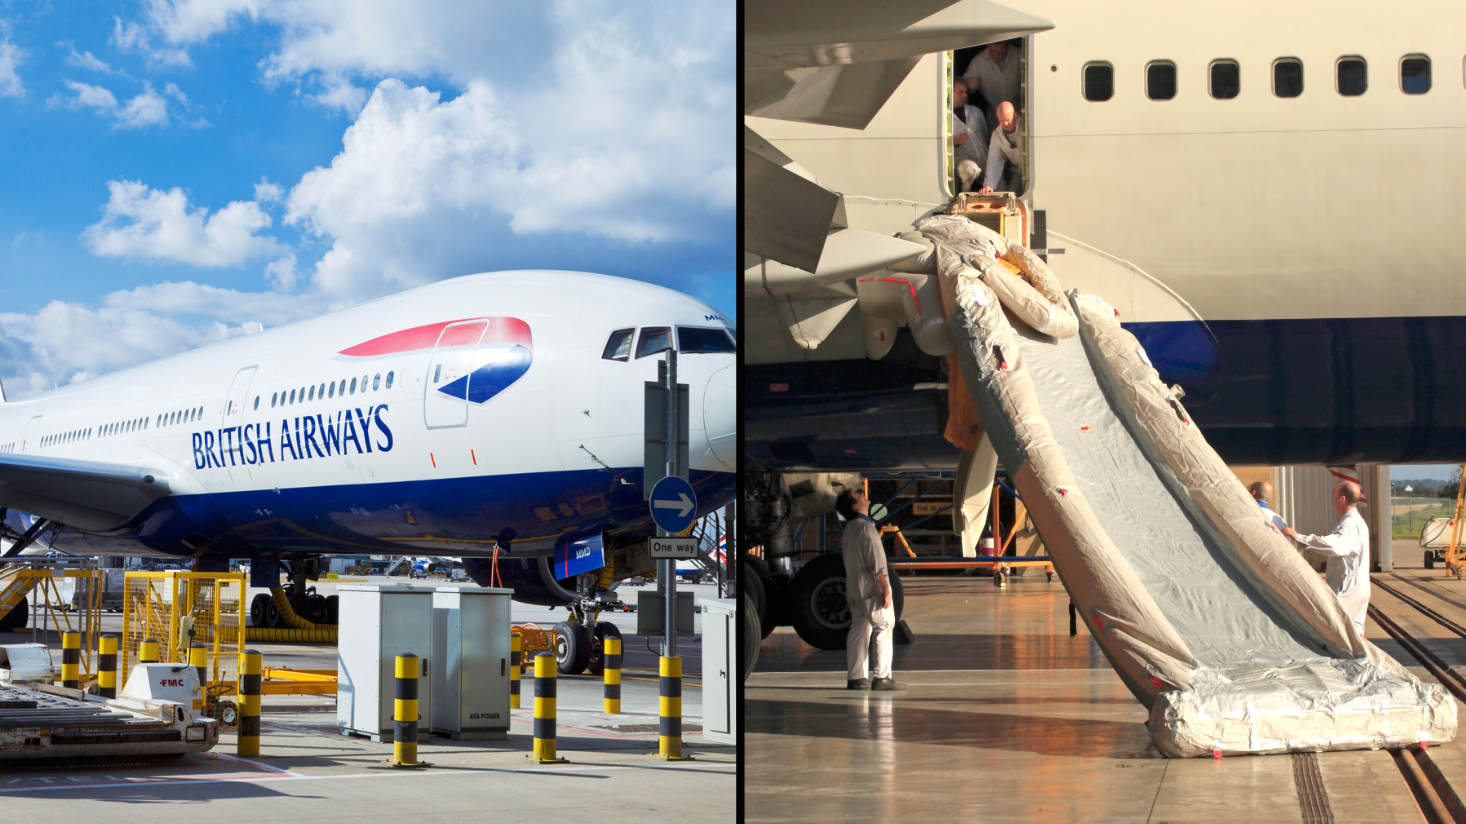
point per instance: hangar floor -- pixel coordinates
(1008, 718)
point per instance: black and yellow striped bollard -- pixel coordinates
(516, 663)
(71, 659)
(669, 739)
(251, 669)
(544, 709)
(107, 666)
(404, 714)
(147, 651)
(611, 655)
(198, 657)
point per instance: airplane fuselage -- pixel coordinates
(439, 421)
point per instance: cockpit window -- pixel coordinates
(654, 339)
(618, 346)
(697, 339)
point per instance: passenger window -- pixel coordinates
(1353, 76)
(257, 401)
(1226, 79)
(653, 340)
(437, 372)
(1415, 74)
(292, 396)
(1099, 82)
(377, 380)
(1288, 77)
(312, 395)
(696, 339)
(273, 396)
(389, 379)
(618, 346)
(322, 394)
(331, 393)
(363, 383)
(1160, 80)
(353, 386)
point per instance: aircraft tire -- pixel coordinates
(819, 611)
(604, 630)
(16, 619)
(257, 610)
(753, 585)
(333, 609)
(751, 634)
(572, 648)
(273, 618)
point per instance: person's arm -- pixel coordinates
(877, 562)
(996, 161)
(885, 590)
(1336, 543)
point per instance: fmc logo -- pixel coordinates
(499, 349)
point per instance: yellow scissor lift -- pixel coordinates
(42, 577)
(178, 609)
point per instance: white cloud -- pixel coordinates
(281, 273)
(85, 60)
(10, 57)
(146, 109)
(133, 37)
(150, 224)
(267, 192)
(66, 342)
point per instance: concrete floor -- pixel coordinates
(308, 771)
(1008, 718)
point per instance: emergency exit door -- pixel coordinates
(445, 399)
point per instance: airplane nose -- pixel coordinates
(719, 415)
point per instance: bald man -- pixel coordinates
(1005, 154)
(1262, 492)
(1347, 548)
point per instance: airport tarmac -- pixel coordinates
(1006, 717)
(308, 770)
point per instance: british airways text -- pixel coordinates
(309, 436)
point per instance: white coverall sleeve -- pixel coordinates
(1335, 543)
(993, 173)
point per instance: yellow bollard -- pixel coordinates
(669, 740)
(516, 661)
(404, 714)
(198, 657)
(147, 651)
(544, 709)
(251, 668)
(107, 666)
(71, 659)
(611, 655)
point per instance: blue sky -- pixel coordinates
(177, 171)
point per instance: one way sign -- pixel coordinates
(673, 504)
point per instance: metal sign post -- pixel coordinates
(666, 414)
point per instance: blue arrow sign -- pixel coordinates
(673, 504)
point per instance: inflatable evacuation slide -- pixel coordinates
(1209, 615)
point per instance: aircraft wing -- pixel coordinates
(82, 494)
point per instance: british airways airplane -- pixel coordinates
(493, 411)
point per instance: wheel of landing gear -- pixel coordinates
(333, 609)
(817, 605)
(317, 606)
(604, 629)
(820, 613)
(572, 648)
(750, 634)
(752, 584)
(257, 607)
(273, 618)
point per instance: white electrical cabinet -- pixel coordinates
(379, 622)
(471, 663)
(719, 657)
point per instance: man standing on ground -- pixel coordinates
(1347, 548)
(1262, 492)
(868, 591)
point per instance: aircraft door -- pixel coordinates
(234, 403)
(445, 394)
(30, 437)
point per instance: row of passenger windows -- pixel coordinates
(654, 339)
(326, 390)
(116, 428)
(1351, 78)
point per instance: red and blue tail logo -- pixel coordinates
(501, 352)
